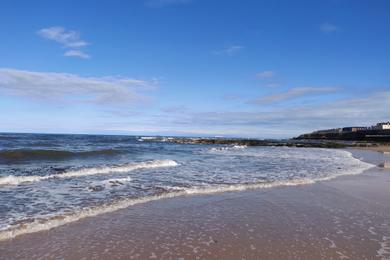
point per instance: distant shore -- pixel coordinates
(308, 143)
(344, 218)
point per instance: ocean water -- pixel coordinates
(51, 180)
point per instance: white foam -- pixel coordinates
(239, 146)
(227, 148)
(147, 138)
(46, 224)
(15, 180)
(384, 251)
(155, 138)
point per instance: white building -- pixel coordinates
(383, 126)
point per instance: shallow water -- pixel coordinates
(49, 180)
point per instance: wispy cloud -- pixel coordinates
(76, 53)
(293, 93)
(67, 38)
(268, 78)
(329, 28)
(162, 3)
(287, 122)
(265, 74)
(230, 50)
(64, 87)
(70, 39)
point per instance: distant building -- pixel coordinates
(383, 126)
(354, 129)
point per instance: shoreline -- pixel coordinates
(61, 239)
(379, 148)
(57, 221)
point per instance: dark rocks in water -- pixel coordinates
(160, 190)
(385, 165)
(250, 142)
(115, 183)
(59, 169)
(96, 188)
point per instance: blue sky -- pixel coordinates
(193, 67)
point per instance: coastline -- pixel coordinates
(339, 218)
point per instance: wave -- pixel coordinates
(155, 139)
(31, 154)
(170, 192)
(227, 148)
(15, 180)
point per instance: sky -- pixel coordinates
(264, 69)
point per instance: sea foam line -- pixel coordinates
(227, 148)
(46, 224)
(15, 180)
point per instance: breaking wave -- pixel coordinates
(227, 148)
(15, 180)
(40, 224)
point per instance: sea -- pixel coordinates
(48, 180)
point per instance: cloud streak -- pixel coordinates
(329, 28)
(288, 122)
(265, 74)
(76, 53)
(65, 87)
(67, 38)
(292, 93)
(230, 50)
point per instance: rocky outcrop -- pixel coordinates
(248, 142)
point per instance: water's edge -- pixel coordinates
(42, 225)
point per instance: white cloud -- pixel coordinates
(265, 74)
(67, 38)
(76, 53)
(329, 28)
(70, 39)
(293, 93)
(288, 122)
(64, 87)
(230, 50)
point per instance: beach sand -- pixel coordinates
(344, 218)
(379, 148)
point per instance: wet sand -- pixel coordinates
(379, 148)
(344, 218)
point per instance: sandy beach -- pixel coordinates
(344, 218)
(379, 148)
